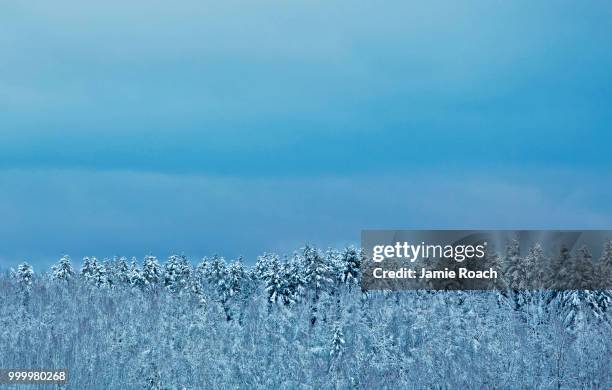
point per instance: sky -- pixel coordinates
(240, 127)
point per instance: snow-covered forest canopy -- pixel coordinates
(300, 321)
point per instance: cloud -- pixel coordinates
(49, 213)
(303, 88)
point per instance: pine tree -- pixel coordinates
(514, 276)
(294, 285)
(335, 265)
(236, 275)
(198, 292)
(580, 302)
(217, 271)
(177, 272)
(274, 281)
(316, 271)
(536, 272)
(262, 265)
(494, 261)
(513, 269)
(229, 284)
(98, 273)
(535, 266)
(336, 354)
(561, 270)
(120, 270)
(218, 279)
(24, 275)
(316, 277)
(605, 267)
(604, 278)
(201, 272)
(109, 274)
(151, 272)
(62, 270)
(337, 344)
(351, 266)
(86, 270)
(135, 276)
(582, 275)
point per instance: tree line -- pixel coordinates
(300, 320)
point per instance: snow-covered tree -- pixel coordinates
(236, 276)
(229, 285)
(316, 277)
(335, 265)
(197, 292)
(294, 280)
(513, 270)
(337, 344)
(86, 269)
(217, 271)
(580, 302)
(561, 269)
(120, 270)
(24, 275)
(62, 270)
(605, 267)
(262, 264)
(151, 271)
(98, 275)
(110, 279)
(273, 276)
(177, 272)
(316, 271)
(201, 272)
(351, 266)
(135, 276)
(582, 272)
(536, 267)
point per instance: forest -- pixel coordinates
(302, 321)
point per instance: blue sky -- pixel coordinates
(238, 127)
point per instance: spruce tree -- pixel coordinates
(316, 271)
(217, 271)
(62, 270)
(135, 276)
(177, 272)
(86, 269)
(512, 267)
(273, 277)
(262, 265)
(535, 266)
(98, 273)
(120, 270)
(24, 275)
(236, 276)
(561, 270)
(316, 277)
(151, 272)
(605, 267)
(337, 344)
(351, 270)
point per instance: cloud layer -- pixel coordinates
(49, 213)
(303, 88)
